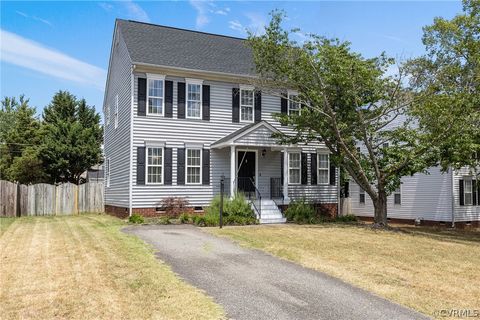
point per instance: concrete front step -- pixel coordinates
(271, 221)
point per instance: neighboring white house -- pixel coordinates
(180, 114)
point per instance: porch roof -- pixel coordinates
(260, 134)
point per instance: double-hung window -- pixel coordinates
(323, 168)
(194, 166)
(293, 104)
(154, 165)
(468, 192)
(116, 111)
(361, 195)
(194, 100)
(397, 196)
(294, 167)
(246, 105)
(107, 115)
(155, 99)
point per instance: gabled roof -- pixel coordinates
(180, 48)
(244, 131)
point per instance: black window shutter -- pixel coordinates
(206, 167)
(180, 166)
(474, 192)
(258, 106)
(235, 105)
(313, 167)
(284, 104)
(333, 174)
(140, 165)
(462, 192)
(168, 99)
(304, 168)
(181, 100)
(167, 162)
(281, 168)
(206, 102)
(142, 97)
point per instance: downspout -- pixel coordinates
(130, 183)
(453, 196)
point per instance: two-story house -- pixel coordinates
(180, 113)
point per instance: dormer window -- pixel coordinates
(246, 104)
(155, 99)
(194, 99)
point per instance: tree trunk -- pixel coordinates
(380, 205)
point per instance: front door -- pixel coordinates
(246, 171)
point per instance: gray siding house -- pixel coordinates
(180, 113)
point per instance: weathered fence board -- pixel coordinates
(45, 199)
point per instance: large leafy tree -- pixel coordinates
(348, 102)
(448, 76)
(19, 138)
(72, 137)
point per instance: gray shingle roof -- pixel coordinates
(167, 46)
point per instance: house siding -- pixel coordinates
(178, 133)
(464, 213)
(427, 197)
(117, 141)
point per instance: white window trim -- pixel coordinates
(465, 180)
(156, 77)
(187, 166)
(360, 192)
(247, 88)
(399, 193)
(107, 172)
(299, 168)
(146, 165)
(116, 112)
(195, 82)
(289, 100)
(318, 168)
(107, 115)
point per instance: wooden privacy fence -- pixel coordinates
(46, 199)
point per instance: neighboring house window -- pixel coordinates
(397, 196)
(194, 166)
(194, 100)
(107, 172)
(155, 96)
(116, 111)
(468, 192)
(323, 168)
(107, 115)
(293, 104)
(155, 165)
(294, 168)
(361, 198)
(246, 105)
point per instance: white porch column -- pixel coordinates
(233, 172)
(285, 175)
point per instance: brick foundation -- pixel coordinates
(429, 223)
(122, 212)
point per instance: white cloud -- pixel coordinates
(202, 9)
(23, 14)
(35, 56)
(236, 25)
(135, 11)
(105, 6)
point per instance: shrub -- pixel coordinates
(300, 211)
(184, 218)
(174, 206)
(238, 206)
(136, 218)
(236, 211)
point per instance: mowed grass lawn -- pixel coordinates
(84, 267)
(424, 269)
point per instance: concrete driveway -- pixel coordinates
(250, 284)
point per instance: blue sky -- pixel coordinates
(48, 46)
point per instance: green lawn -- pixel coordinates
(84, 267)
(422, 268)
